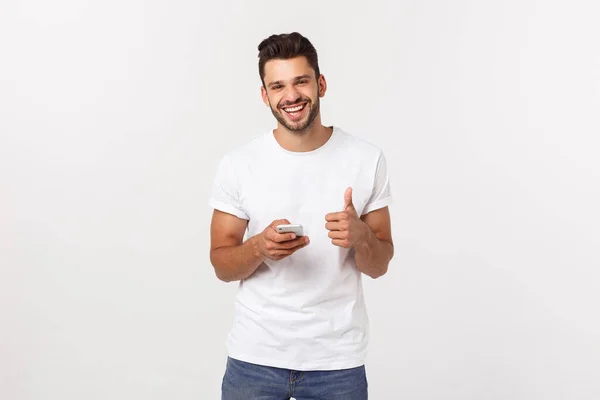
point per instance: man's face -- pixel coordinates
(292, 92)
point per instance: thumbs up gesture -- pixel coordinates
(345, 227)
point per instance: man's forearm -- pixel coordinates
(372, 256)
(234, 263)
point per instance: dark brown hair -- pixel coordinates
(283, 47)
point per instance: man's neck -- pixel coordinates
(309, 140)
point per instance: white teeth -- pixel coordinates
(295, 109)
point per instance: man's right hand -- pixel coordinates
(276, 246)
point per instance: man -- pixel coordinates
(301, 326)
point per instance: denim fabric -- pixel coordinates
(246, 381)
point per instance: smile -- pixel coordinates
(294, 111)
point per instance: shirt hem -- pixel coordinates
(302, 366)
(378, 204)
(219, 205)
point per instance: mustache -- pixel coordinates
(291, 103)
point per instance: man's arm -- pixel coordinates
(369, 235)
(233, 259)
(373, 253)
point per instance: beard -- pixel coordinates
(301, 126)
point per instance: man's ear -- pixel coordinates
(322, 85)
(265, 98)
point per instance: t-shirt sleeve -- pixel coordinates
(381, 196)
(225, 193)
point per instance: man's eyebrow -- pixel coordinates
(302, 77)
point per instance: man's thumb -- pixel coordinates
(348, 198)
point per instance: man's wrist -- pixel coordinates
(365, 237)
(255, 246)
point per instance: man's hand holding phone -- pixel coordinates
(276, 246)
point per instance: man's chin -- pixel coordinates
(294, 126)
(298, 127)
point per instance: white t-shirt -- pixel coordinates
(306, 311)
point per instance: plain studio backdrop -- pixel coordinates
(114, 114)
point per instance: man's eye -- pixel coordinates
(302, 81)
(276, 87)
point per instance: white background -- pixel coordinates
(113, 115)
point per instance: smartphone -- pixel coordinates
(290, 228)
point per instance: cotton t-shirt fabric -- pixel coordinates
(306, 311)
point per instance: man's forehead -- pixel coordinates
(279, 69)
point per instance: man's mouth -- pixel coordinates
(295, 111)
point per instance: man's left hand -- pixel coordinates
(346, 229)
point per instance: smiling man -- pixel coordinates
(301, 327)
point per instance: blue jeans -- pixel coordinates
(246, 381)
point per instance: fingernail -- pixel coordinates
(293, 236)
(307, 240)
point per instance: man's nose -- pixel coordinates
(291, 95)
